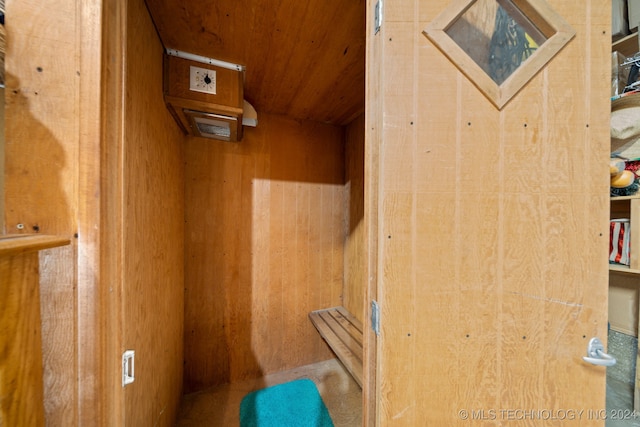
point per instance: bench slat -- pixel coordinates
(349, 323)
(349, 335)
(343, 332)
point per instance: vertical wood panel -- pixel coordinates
(265, 232)
(21, 386)
(491, 248)
(153, 231)
(92, 390)
(398, 267)
(2, 149)
(355, 276)
(110, 185)
(374, 110)
(52, 178)
(41, 169)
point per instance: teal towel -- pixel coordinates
(293, 404)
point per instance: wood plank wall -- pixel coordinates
(492, 225)
(355, 276)
(265, 229)
(21, 388)
(48, 48)
(53, 185)
(153, 230)
(2, 151)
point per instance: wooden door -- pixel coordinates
(489, 229)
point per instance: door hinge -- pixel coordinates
(375, 317)
(128, 361)
(378, 17)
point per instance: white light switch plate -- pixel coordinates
(202, 80)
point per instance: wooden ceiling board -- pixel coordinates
(304, 59)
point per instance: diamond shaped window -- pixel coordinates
(499, 44)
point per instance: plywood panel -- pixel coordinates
(153, 231)
(355, 276)
(41, 168)
(21, 378)
(265, 229)
(21, 385)
(491, 249)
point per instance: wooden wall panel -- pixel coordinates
(492, 248)
(153, 230)
(355, 276)
(2, 150)
(265, 228)
(51, 183)
(21, 385)
(21, 377)
(41, 169)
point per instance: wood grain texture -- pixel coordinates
(41, 170)
(51, 185)
(21, 373)
(21, 381)
(111, 257)
(17, 244)
(355, 276)
(372, 145)
(91, 325)
(303, 59)
(492, 250)
(343, 332)
(265, 226)
(2, 151)
(153, 231)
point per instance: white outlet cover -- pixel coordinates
(202, 80)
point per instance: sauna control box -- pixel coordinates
(205, 100)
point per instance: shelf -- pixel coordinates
(624, 269)
(635, 196)
(627, 46)
(628, 207)
(22, 243)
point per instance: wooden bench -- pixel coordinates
(343, 332)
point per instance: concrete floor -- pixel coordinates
(620, 380)
(620, 403)
(220, 406)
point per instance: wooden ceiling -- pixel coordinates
(304, 58)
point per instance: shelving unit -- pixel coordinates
(628, 207)
(628, 45)
(623, 279)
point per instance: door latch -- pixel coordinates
(375, 317)
(128, 359)
(596, 355)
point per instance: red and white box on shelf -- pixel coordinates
(619, 241)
